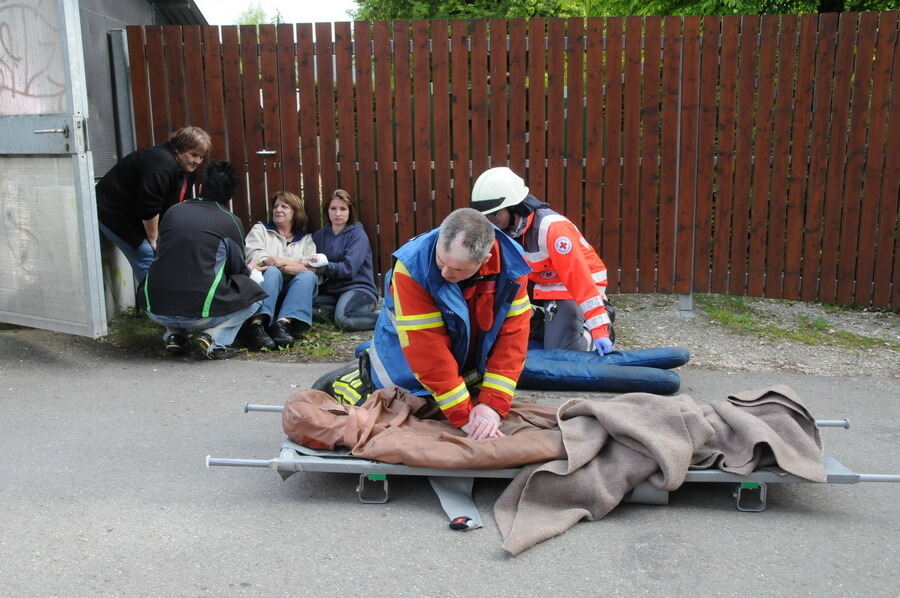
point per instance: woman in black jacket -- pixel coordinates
(135, 193)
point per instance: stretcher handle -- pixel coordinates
(218, 461)
(273, 408)
(834, 423)
(879, 477)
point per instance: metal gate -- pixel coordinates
(49, 246)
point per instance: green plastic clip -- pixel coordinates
(750, 485)
(377, 477)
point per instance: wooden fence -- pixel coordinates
(741, 154)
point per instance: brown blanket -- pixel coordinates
(587, 454)
(612, 446)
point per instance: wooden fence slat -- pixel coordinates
(762, 164)
(422, 92)
(405, 198)
(517, 61)
(309, 130)
(479, 108)
(631, 153)
(650, 159)
(440, 107)
(460, 120)
(537, 108)
(326, 102)
(211, 107)
(574, 196)
(687, 178)
(609, 249)
(887, 280)
(669, 119)
(798, 180)
(781, 149)
(346, 131)
(556, 118)
(837, 156)
(194, 87)
(271, 110)
(724, 166)
(498, 92)
(159, 86)
(818, 142)
(856, 154)
(175, 72)
(874, 161)
(140, 89)
(289, 150)
(388, 240)
(365, 134)
(232, 111)
(253, 132)
(593, 179)
(706, 148)
(747, 59)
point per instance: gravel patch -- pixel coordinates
(654, 321)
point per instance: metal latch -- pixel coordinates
(64, 131)
(370, 491)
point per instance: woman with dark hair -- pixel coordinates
(347, 287)
(280, 250)
(137, 191)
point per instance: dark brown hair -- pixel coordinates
(344, 196)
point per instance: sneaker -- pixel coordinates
(205, 345)
(177, 343)
(280, 333)
(255, 337)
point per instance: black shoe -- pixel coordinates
(177, 343)
(256, 338)
(204, 344)
(280, 333)
(298, 328)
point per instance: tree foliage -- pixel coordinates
(370, 10)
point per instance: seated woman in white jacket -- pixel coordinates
(280, 250)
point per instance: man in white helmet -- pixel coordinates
(568, 279)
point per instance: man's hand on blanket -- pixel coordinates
(484, 422)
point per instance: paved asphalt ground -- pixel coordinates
(104, 492)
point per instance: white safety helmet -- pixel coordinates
(498, 188)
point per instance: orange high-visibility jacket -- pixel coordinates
(565, 266)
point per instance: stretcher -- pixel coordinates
(454, 486)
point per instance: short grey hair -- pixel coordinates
(471, 230)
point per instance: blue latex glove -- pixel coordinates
(603, 345)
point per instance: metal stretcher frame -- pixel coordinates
(750, 494)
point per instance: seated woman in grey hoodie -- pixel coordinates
(347, 287)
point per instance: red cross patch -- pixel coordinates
(563, 245)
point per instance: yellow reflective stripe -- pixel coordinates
(519, 306)
(498, 382)
(420, 321)
(453, 397)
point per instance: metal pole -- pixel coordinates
(273, 408)
(879, 477)
(834, 423)
(211, 462)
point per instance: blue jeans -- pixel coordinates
(289, 297)
(140, 257)
(222, 329)
(353, 310)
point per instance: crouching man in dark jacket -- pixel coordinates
(199, 284)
